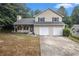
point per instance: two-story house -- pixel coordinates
(48, 22)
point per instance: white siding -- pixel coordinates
(48, 16)
(50, 29)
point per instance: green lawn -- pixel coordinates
(19, 44)
(74, 39)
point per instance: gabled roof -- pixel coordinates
(25, 21)
(50, 10)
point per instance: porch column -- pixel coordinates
(29, 28)
(15, 28)
(22, 28)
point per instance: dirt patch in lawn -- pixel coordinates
(19, 44)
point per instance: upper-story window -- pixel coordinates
(41, 19)
(55, 19)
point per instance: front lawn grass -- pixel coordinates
(74, 38)
(19, 45)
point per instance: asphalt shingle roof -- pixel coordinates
(25, 21)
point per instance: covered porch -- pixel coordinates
(24, 28)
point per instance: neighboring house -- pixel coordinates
(48, 22)
(75, 29)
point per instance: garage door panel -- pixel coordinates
(43, 31)
(57, 31)
(54, 31)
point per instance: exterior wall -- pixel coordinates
(36, 28)
(48, 16)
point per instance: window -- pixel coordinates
(41, 19)
(55, 19)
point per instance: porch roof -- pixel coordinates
(24, 21)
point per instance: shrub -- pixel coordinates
(66, 26)
(7, 28)
(66, 32)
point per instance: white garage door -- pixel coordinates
(57, 31)
(43, 31)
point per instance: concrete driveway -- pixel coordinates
(58, 46)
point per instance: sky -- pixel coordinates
(43, 6)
